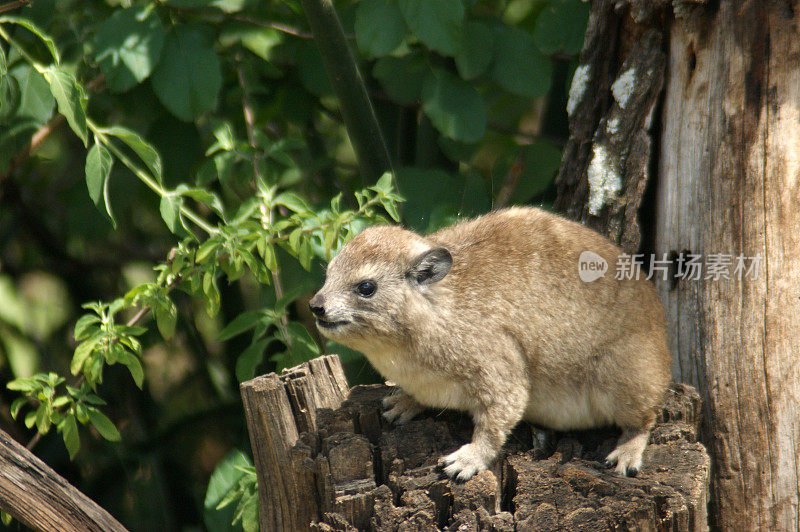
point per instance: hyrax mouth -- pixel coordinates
(325, 324)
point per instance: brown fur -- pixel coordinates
(509, 333)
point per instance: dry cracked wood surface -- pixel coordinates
(352, 470)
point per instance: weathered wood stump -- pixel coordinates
(349, 469)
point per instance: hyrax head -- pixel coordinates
(374, 284)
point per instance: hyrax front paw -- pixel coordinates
(401, 408)
(628, 454)
(464, 463)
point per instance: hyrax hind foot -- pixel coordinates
(628, 454)
(401, 408)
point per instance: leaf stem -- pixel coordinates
(25, 55)
(146, 178)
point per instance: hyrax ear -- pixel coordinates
(431, 266)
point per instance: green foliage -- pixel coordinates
(379, 27)
(233, 481)
(128, 46)
(454, 106)
(188, 77)
(437, 23)
(220, 180)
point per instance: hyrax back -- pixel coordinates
(491, 316)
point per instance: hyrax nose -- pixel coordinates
(317, 306)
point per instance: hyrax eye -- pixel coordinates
(366, 288)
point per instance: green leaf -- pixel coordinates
(268, 254)
(9, 88)
(203, 196)
(70, 98)
(170, 209)
(30, 419)
(384, 184)
(206, 249)
(61, 401)
(35, 99)
(250, 358)
(16, 406)
(130, 330)
(103, 425)
(128, 45)
(293, 201)
(9, 94)
(224, 134)
(402, 77)
(25, 385)
(43, 419)
(33, 28)
(241, 323)
(133, 364)
(69, 431)
(519, 66)
(300, 345)
(437, 23)
(83, 324)
(259, 40)
(211, 293)
(561, 26)
(379, 26)
(166, 317)
(6, 518)
(391, 209)
(475, 56)
(82, 353)
(224, 479)
(188, 76)
(540, 163)
(454, 106)
(98, 170)
(227, 6)
(247, 512)
(145, 151)
(81, 413)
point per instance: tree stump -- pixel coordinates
(348, 469)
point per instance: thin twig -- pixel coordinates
(275, 26)
(14, 5)
(510, 183)
(249, 121)
(33, 441)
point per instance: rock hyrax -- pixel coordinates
(491, 316)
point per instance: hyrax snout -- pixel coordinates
(492, 316)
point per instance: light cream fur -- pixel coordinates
(509, 333)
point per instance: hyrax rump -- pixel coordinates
(490, 316)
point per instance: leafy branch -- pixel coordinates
(245, 243)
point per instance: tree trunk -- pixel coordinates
(724, 174)
(729, 183)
